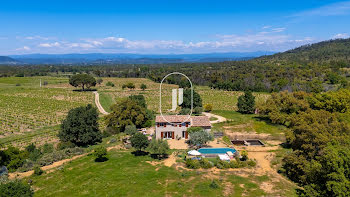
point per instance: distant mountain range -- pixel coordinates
(126, 58)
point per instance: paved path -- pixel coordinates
(98, 104)
(219, 118)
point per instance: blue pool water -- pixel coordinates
(216, 150)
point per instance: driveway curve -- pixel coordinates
(98, 104)
(219, 118)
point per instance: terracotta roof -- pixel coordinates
(196, 121)
(173, 118)
(200, 121)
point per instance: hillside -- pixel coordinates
(7, 60)
(323, 52)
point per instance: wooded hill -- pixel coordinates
(330, 51)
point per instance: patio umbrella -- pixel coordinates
(194, 153)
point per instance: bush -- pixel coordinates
(214, 185)
(45, 83)
(48, 159)
(143, 86)
(198, 110)
(251, 163)
(130, 129)
(234, 164)
(38, 171)
(244, 155)
(47, 148)
(16, 189)
(139, 141)
(205, 163)
(222, 164)
(192, 163)
(185, 111)
(100, 153)
(18, 84)
(113, 140)
(208, 107)
(110, 84)
(64, 145)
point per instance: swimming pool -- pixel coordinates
(216, 150)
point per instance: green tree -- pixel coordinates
(246, 103)
(139, 141)
(200, 138)
(83, 80)
(130, 129)
(15, 189)
(100, 152)
(81, 127)
(143, 86)
(127, 112)
(130, 85)
(158, 147)
(110, 84)
(197, 100)
(140, 99)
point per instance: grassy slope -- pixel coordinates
(253, 123)
(106, 101)
(126, 175)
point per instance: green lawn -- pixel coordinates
(127, 175)
(106, 101)
(252, 122)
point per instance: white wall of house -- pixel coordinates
(178, 131)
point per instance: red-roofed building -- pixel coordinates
(179, 125)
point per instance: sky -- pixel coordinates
(168, 27)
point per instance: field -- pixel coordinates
(26, 107)
(127, 175)
(221, 100)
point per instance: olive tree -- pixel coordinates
(83, 80)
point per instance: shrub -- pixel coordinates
(198, 110)
(99, 81)
(13, 158)
(45, 83)
(130, 129)
(208, 107)
(18, 84)
(38, 171)
(47, 148)
(16, 189)
(110, 84)
(214, 185)
(100, 153)
(113, 140)
(234, 164)
(205, 163)
(64, 145)
(158, 147)
(251, 163)
(244, 155)
(143, 86)
(222, 164)
(185, 111)
(139, 141)
(192, 163)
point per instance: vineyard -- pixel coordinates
(27, 107)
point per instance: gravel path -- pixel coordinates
(219, 118)
(98, 104)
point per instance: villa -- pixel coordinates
(177, 129)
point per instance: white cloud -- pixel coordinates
(335, 9)
(273, 39)
(49, 45)
(341, 35)
(24, 48)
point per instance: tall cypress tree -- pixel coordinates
(246, 103)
